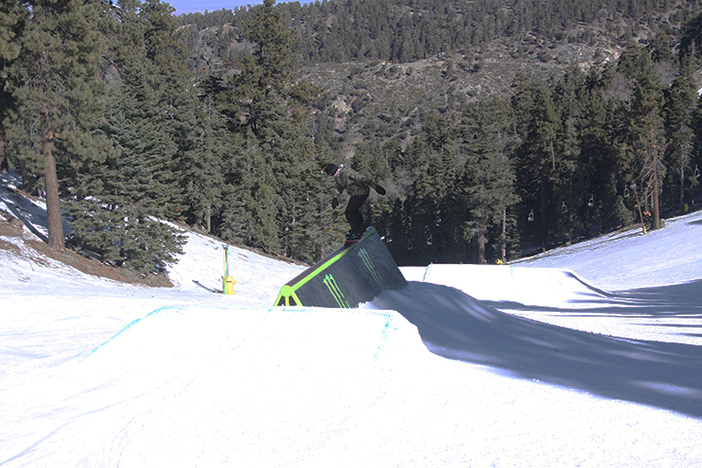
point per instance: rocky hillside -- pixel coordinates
(382, 100)
(373, 97)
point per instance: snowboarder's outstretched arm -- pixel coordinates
(362, 179)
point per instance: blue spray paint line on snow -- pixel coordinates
(427, 271)
(131, 324)
(384, 335)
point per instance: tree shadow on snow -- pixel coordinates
(457, 326)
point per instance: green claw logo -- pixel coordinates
(371, 267)
(336, 292)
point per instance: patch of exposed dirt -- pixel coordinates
(4, 245)
(12, 227)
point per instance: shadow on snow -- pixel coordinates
(457, 326)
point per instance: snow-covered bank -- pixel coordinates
(629, 260)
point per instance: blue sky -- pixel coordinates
(192, 6)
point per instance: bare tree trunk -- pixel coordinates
(53, 206)
(638, 205)
(656, 204)
(544, 219)
(503, 255)
(4, 166)
(481, 245)
(682, 187)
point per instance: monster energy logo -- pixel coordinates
(336, 292)
(371, 267)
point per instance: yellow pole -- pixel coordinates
(227, 281)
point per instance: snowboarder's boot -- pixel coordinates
(353, 236)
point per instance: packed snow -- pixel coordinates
(585, 356)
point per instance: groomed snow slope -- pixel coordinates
(99, 374)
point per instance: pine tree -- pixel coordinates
(202, 166)
(119, 231)
(537, 124)
(646, 143)
(269, 69)
(680, 101)
(370, 159)
(135, 126)
(270, 181)
(176, 106)
(13, 15)
(567, 181)
(598, 162)
(250, 217)
(58, 92)
(116, 206)
(488, 178)
(691, 42)
(395, 217)
(434, 211)
(289, 157)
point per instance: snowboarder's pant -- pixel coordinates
(353, 215)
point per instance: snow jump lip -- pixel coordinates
(350, 275)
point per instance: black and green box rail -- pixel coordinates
(353, 274)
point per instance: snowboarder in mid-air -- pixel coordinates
(358, 187)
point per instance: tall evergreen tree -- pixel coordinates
(269, 69)
(202, 166)
(116, 206)
(135, 124)
(434, 210)
(59, 93)
(175, 107)
(690, 49)
(646, 138)
(598, 162)
(13, 15)
(537, 124)
(250, 215)
(569, 188)
(680, 102)
(488, 178)
(269, 183)
(289, 156)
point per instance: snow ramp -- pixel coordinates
(198, 386)
(505, 286)
(353, 274)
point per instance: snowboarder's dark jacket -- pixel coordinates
(353, 182)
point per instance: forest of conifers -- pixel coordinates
(123, 115)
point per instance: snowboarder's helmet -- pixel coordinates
(331, 169)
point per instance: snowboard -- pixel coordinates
(357, 238)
